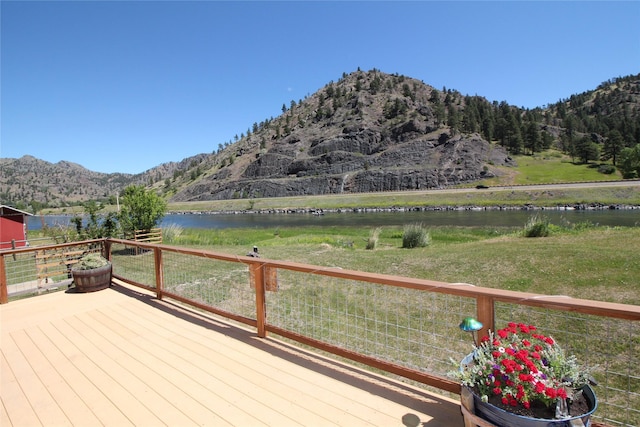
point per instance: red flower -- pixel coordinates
(525, 377)
(551, 392)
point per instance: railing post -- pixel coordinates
(486, 314)
(4, 295)
(157, 257)
(257, 269)
(107, 249)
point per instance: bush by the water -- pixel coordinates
(372, 241)
(415, 236)
(171, 232)
(537, 226)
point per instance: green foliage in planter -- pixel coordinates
(91, 261)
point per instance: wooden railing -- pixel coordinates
(265, 281)
(41, 267)
(153, 235)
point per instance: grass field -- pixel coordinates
(600, 262)
(549, 167)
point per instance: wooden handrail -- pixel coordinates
(4, 295)
(556, 302)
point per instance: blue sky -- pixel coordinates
(125, 86)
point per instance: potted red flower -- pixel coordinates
(520, 377)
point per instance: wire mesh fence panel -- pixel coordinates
(22, 276)
(609, 347)
(42, 269)
(408, 327)
(134, 263)
(219, 284)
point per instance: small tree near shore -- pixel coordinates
(141, 209)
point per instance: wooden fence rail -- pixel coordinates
(153, 235)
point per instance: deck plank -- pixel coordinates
(16, 409)
(47, 409)
(121, 357)
(36, 345)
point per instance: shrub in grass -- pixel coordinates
(171, 232)
(372, 241)
(537, 226)
(606, 169)
(415, 236)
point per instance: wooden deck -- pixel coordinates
(121, 357)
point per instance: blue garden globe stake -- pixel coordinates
(469, 324)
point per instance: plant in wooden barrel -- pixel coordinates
(520, 377)
(91, 273)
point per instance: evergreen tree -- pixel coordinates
(586, 150)
(513, 135)
(612, 146)
(532, 139)
(453, 119)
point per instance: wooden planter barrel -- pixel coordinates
(92, 280)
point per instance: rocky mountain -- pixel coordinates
(369, 131)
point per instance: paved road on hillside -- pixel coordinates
(536, 187)
(552, 186)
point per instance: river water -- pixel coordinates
(475, 218)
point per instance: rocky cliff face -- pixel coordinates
(369, 132)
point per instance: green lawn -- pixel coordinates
(598, 262)
(550, 167)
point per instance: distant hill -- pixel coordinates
(369, 131)
(30, 182)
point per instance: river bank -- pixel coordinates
(317, 211)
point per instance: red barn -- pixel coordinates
(13, 227)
